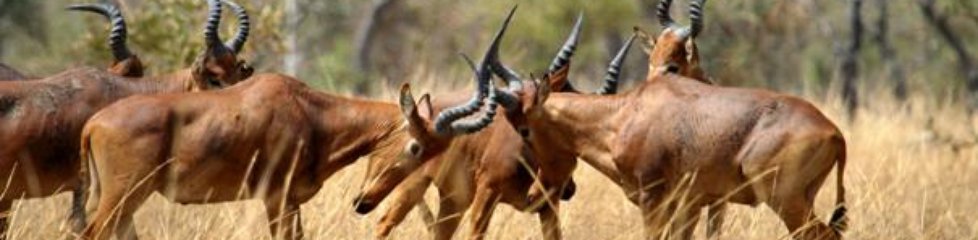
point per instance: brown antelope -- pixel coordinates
(41, 120)
(475, 171)
(124, 64)
(675, 145)
(271, 137)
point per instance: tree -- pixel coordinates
(850, 68)
(21, 15)
(893, 69)
(365, 36)
(966, 64)
(293, 56)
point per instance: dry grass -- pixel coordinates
(902, 185)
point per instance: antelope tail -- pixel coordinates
(839, 221)
(88, 190)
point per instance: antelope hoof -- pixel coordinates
(568, 191)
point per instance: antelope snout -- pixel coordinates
(363, 206)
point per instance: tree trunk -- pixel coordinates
(364, 38)
(293, 56)
(893, 69)
(966, 65)
(850, 68)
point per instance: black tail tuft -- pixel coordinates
(839, 221)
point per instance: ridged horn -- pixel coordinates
(662, 11)
(211, 37)
(567, 50)
(117, 35)
(513, 80)
(696, 16)
(474, 125)
(244, 26)
(614, 69)
(445, 122)
(504, 97)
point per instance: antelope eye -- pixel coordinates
(672, 68)
(414, 149)
(213, 82)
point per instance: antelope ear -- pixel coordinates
(542, 92)
(424, 107)
(692, 53)
(408, 108)
(648, 43)
(558, 79)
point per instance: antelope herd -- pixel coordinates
(675, 143)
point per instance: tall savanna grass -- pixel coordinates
(911, 174)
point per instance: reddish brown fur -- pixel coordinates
(676, 135)
(41, 120)
(271, 137)
(476, 172)
(673, 50)
(130, 67)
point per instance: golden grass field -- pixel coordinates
(902, 184)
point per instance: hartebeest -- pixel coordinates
(676, 145)
(41, 120)
(271, 137)
(478, 170)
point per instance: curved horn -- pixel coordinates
(445, 121)
(117, 36)
(614, 69)
(513, 80)
(504, 97)
(211, 37)
(696, 16)
(474, 125)
(662, 11)
(244, 26)
(567, 50)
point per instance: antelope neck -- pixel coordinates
(345, 129)
(583, 126)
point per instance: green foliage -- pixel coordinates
(17, 17)
(787, 45)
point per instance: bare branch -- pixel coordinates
(893, 69)
(850, 68)
(367, 32)
(965, 61)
